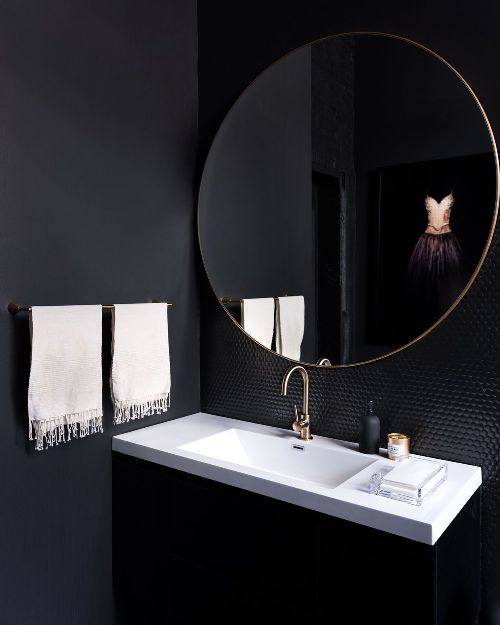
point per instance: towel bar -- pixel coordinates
(230, 300)
(14, 308)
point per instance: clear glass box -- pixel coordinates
(410, 480)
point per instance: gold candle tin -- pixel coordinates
(398, 446)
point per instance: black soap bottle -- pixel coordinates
(369, 432)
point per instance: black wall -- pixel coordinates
(98, 127)
(444, 390)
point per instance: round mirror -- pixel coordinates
(348, 199)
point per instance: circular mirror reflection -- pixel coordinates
(348, 199)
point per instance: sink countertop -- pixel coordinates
(350, 500)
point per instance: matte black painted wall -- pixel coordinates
(98, 132)
(444, 390)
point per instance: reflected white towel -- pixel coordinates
(290, 316)
(140, 373)
(257, 319)
(65, 387)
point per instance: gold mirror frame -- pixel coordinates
(483, 255)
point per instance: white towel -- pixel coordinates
(290, 316)
(65, 387)
(140, 374)
(257, 319)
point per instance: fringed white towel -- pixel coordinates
(140, 374)
(257, 319)
(290, 315)
(65, 387)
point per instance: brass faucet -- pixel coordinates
(324, 362)
(302, 423)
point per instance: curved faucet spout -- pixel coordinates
(305, 379)
(324, 362)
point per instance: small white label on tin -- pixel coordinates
(395, 450)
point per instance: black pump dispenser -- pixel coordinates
(369, 432)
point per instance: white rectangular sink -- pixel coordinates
(324, 474)
(283, 455)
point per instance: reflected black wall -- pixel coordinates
(255, 227)
(333, 126)
(444, 390)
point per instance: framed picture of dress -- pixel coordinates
(427, 226)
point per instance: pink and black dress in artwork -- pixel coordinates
(435, 277)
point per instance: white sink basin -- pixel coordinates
(281, 454)
(325, 475)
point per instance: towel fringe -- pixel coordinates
(129, 410)
(50, 432)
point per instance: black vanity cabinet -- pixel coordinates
(189, 550)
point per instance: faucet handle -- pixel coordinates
(296, 412)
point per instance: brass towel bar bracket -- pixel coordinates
(15, 308)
